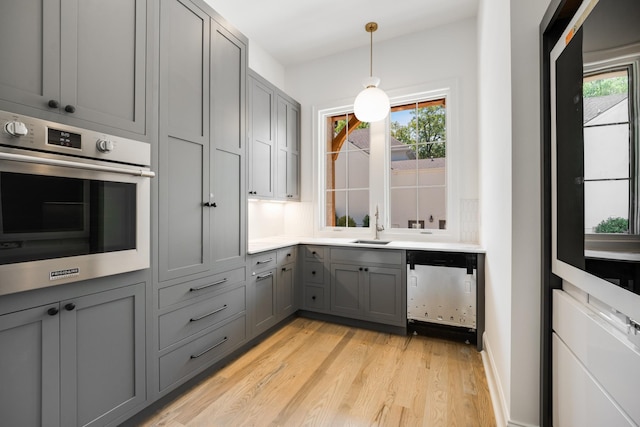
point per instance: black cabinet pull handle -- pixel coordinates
(69, 306)
(211, 205)
(70, 109)
(195, 356)
(288, 255)
(208, 285)
(217, 310)
(264, 276)
(52, 311)
(53, 103)
(266, 261)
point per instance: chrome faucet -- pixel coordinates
(379, 228)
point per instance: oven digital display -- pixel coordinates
(64, 139)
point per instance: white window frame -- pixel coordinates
(379, 166)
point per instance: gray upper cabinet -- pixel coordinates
(202, 200)
(288, 143)
(71, 61)
(261, 138)
(274, 142)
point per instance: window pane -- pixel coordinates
(432, 207)
(336, 171)
(336, 203)
(606, 152)
(604, 200)
(403, 206)
(358, 169)
(432, 172)
(358, 201)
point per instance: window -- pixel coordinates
(610, 150)
(417, 178)
(406, 168)
(347, 172)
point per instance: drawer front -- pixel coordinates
(184, 322)
(199, 288)
(287, 255)
(314, 252)
(314, 272)
(201, 353)
(263, 261)
(314, 298)
(374, 256)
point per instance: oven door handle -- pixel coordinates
(76, 165)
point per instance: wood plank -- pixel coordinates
(320, 374)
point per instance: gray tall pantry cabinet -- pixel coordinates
(64, 60)
(200, 297)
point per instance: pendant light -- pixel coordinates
(372, 104)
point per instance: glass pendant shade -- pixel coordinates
(371, 105)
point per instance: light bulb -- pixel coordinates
(371, 105)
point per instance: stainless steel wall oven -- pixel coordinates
(74, 204)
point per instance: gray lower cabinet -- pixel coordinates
(286, 280)
(78, 362)
(354, 283)
(263, 292)
(199, 322)
(63, 61)
(201, 171)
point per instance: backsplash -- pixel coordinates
(469, 221)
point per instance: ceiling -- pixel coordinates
(295, 31)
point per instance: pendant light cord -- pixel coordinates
(371, 55)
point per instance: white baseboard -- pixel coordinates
(500, 408)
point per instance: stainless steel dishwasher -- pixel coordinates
(442, 295)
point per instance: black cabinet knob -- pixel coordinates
(53, 103)
(313, 253)
(284, 269)
(366, 269)
(70, 109)
(52, 311)
(70, 306)
(313, 273)
(360, 269)
(313, 297)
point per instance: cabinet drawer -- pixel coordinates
(263, 261)
(201, 353)
(287, 255)
(181, 323)
(375, 256)
(314, 298)
(314, 272)
(199, 288)
(314, 252)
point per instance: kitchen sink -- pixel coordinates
(373, 242)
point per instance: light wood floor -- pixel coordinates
(312, 373)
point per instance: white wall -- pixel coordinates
(510, 197)
(441, 54)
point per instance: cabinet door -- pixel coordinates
(30, 46)
(263, 298)
(102, 344)
(261, 139)
(103, 61)
(228, 65)
(288, 138)
(184, 245)
(30, 367)
(346, 288)
(383, 294)
(286, 292)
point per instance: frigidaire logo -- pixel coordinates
(63, 274)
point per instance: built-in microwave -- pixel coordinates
(74, 204)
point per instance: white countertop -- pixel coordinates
(271, 243)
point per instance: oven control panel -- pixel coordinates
(29, 133)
